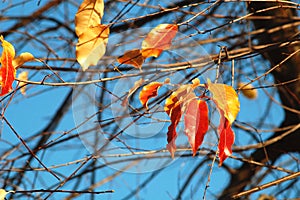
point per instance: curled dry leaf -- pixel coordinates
(91, 45)
(7, 71)
(159, 39)
(196, 123)
(248, 90)
(225, 98)
(88, 15)
(23, 76)
(175, 105)
(21, 59)
(149, 91)
(132, 57)
(137, 84)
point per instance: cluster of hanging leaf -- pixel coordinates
(183, 101)
(91, 46)
(9, 64)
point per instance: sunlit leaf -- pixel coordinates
(88, 15)
(149, 91)
(132, 57)
(21, 59)
(8, 72)
(225, 98)
(226, 139)
(248, 90)
(159, 39)
(23, 76)
(3, 193)
(91, 45)
(175, 105)
(136, 86)
(196, 123)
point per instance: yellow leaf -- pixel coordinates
(21, 59)
(91, 45)
(3, 193)
(225, 98)
(88, 15)
(23, 76)
(248, 90)
(159, 39)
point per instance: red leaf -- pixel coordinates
(196, 123)
(174, 107)
(149, 91)
(159, 39)
(132, 57)
(172, 134)
(226, 140)
(8, 71)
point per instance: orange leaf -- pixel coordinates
(8, 72)
(88, 15)
(226, 140)
(158, 39)
(196, 123)
(149, 91)
(248, 90)
(174, 107)
(132, 57)
(226, 99)
(91, 45)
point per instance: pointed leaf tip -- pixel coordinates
(226, 140)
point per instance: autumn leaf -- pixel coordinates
(7, 71)
(248, 90)
(88, 15)
(158, 39)
(149, 91)
(132, 57)
(225, 98)
(93, 36)
(228, 104)
(23, 76)
(137, 84)
(3, 193)
(175, 105)
(226, 139)
(196, 123)
(21, 59)
(91, 45)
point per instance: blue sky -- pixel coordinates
(31, 113)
